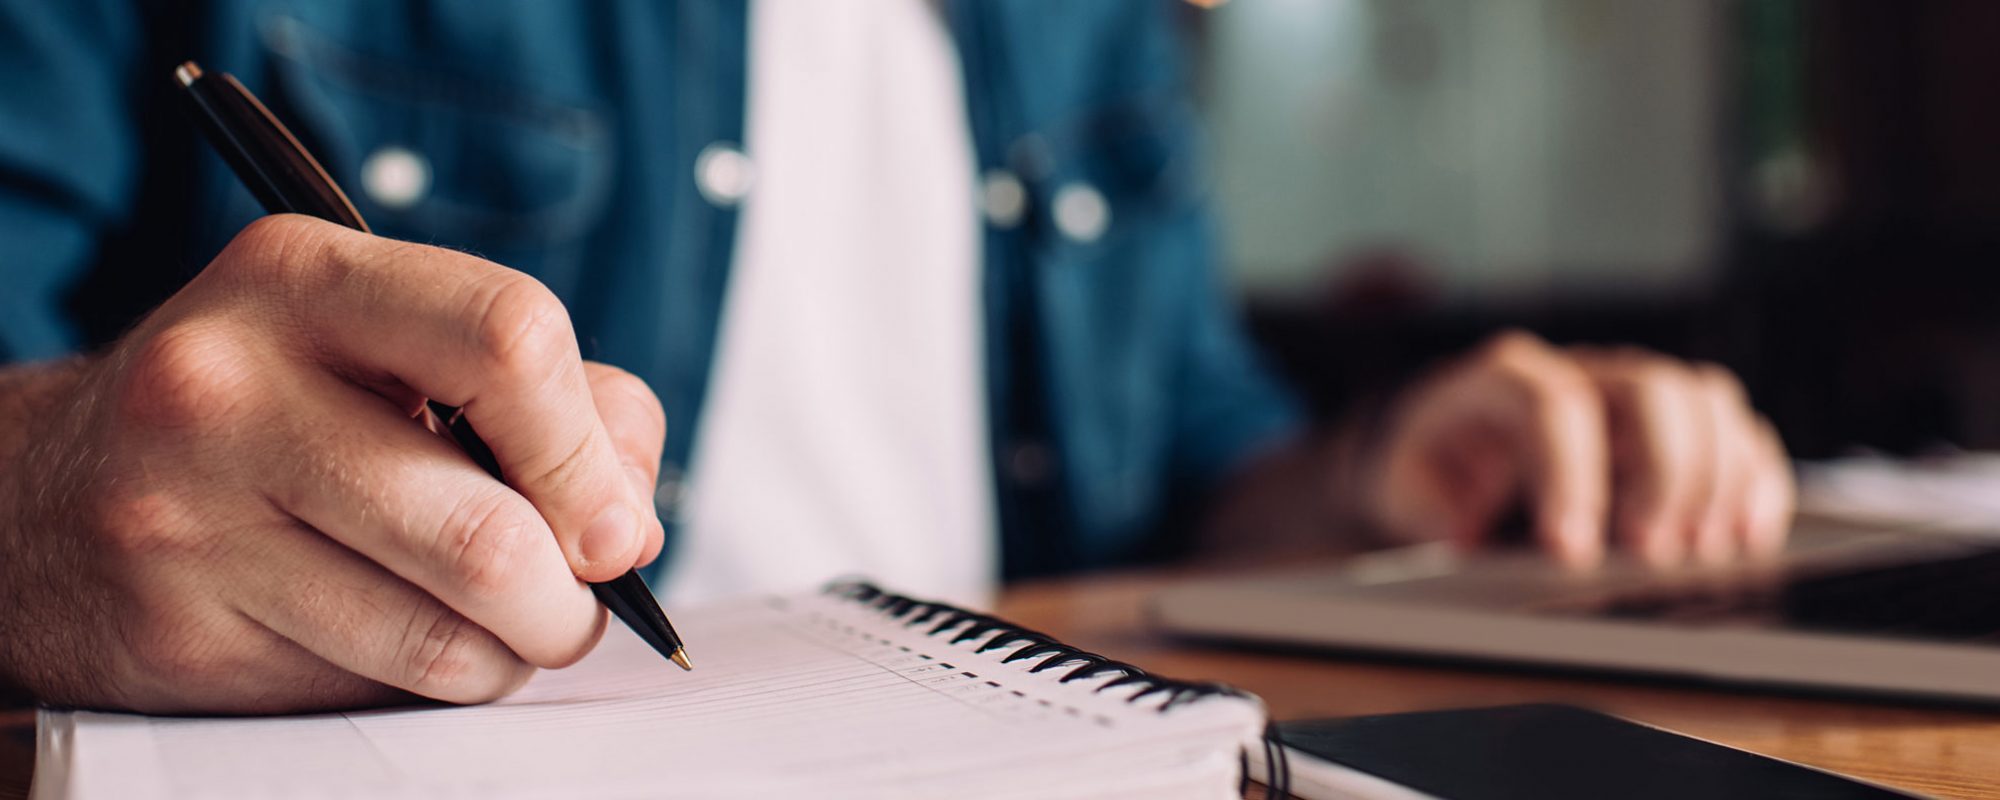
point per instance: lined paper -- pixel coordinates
(814, 695)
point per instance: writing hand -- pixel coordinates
(233, 510)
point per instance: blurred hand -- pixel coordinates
(1663, 457)
(234, 510)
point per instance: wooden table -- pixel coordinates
(1942, 752)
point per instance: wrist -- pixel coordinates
(33, 397)
(1353, 451)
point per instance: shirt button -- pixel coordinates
(1081, 212)
(394, 177)
(1003, 198)
(723, 174)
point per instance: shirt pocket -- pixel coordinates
(1109, 175)
(431, 154)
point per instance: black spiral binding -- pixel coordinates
(943, 617)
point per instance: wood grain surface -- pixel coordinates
(1943, 752)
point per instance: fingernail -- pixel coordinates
(610, 537)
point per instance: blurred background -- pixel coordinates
(1805, 190)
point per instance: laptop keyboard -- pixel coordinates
(1953, 599)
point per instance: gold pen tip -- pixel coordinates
(680, 657)
(187, 73)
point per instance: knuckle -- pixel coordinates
(1657, 383)
(445, 661)
(635, 393)
(1631, 354)
(143, 524)
(567, 470)
(1551, 387)
(274, 231)
(1514, 345)
(1645, 367)
(484, 545)
(188, 376)
(522, 328)
(274, 246)
(1721, 381)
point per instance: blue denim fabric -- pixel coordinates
(562, 138)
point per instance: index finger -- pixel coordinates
(1658, 455)
(1557, 418)
(467, 332)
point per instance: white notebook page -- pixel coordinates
(814, 694)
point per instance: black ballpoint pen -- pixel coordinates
(285, 179)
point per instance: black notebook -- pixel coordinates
(849, 692)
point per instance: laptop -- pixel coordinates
(1846, 609)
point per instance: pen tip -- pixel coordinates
(680, 657)
(187, 73)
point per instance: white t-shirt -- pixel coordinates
(845, 426)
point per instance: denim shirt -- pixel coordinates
(566, 140)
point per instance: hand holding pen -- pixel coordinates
(286, 179)
(236, 513)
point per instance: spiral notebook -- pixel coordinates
(850, 692)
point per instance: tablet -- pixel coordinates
(1548, 752)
